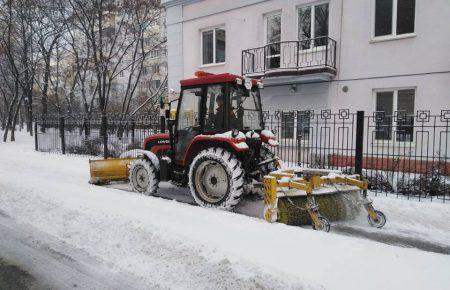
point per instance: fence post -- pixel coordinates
(359, 142)
(104, 131)
(86, 127)
(62, 134)
(36, 145)
(133, 127)
(242, 63)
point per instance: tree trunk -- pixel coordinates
(10, 111)
(16, 114)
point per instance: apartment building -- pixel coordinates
(371, 55)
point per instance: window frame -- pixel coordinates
(213, 29)
(180, 100)
(393, 35)
(288, 141)
(205, 108)
(266, 17)
(313, 24)
(393, 140)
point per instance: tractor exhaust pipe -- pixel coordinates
(162, 113)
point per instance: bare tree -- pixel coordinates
(19, 58)
(77, 55)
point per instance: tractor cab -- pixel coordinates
(213, 104)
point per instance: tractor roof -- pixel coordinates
(211, 79)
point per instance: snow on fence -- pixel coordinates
(406, 153)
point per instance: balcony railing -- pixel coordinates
(300, 56)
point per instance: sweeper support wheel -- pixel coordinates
(375, 218)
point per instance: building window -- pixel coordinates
(287, 125)
(313, 24)
(153, 85)
(154, 53)
(395, 115)
(273, 38)
(303, 125)
(213, 46)
(155, 68)
(394, 17)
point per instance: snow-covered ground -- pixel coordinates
(152, 242)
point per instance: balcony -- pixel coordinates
(310, 59)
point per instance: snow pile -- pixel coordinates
(252, 134)
(268, 134)
(183, 246)
(228, 135)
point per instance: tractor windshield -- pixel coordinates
(246, 108)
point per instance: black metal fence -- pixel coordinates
(298, 55)
(97, 135)
(408, 154)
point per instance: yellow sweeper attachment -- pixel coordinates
(106, 170)
(302, 195)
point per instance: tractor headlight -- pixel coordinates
(234, 133)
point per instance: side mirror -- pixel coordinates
(167, 113)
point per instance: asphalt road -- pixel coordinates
(30, 259)
(13, 277)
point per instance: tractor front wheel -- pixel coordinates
(144, 177)
(216, 179)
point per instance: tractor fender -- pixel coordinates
(147, 154)
(202, 141)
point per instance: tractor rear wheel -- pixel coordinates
(216, 179)
(144, 177)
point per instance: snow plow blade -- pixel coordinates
(106, 170)
(300, 196)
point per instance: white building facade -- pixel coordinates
(371, 55)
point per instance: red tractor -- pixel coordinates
(216, 144)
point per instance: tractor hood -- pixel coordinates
(157, 142)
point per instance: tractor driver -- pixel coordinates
(219, 116)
